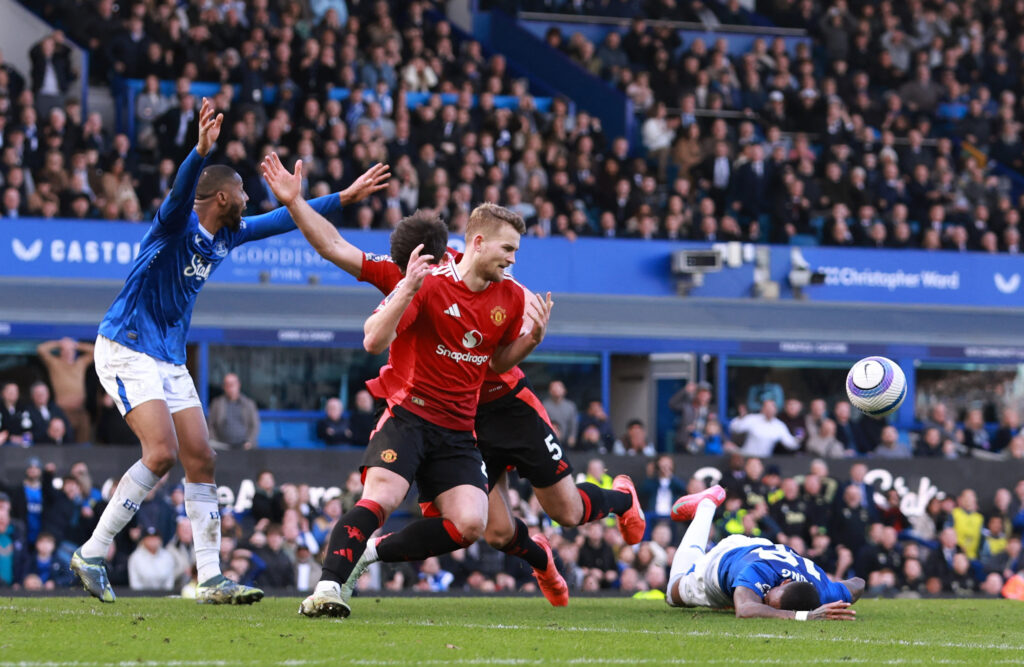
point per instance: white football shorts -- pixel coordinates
(699, 587)
(132, 378)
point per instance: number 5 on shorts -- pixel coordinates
(556, 451)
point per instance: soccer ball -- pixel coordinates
(876, 386)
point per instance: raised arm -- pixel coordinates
(381, 328)
(282, 220)
(173, 213)
(749, 604)
(508, 356)
(45, 350)
(320, 233)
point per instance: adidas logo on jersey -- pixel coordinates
(453, 310)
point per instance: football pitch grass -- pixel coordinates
(79, 632)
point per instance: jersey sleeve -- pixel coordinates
(832, 591)
(279, 221)
(380, 271)
(411, 311)
(173, 215)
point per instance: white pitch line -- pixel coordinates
(711, 633)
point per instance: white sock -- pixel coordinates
(370, 554)
(694, 542)
(204, 513)
(131, 491)
(327, 585)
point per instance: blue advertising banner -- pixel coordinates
(912, 277)
(63, 249)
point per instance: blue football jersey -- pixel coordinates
(763, 567)
(177, 255)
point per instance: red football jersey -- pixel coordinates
(384, 274)
(444, 343)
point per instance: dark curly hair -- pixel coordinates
(421, 227)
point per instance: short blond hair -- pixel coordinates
(488, 218)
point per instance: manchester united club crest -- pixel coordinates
(498, 315)
(388, 456)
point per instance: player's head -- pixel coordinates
(793, 595)
(420, 227)
(492, 235)
(220, 189)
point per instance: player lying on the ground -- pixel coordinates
(511, 426)
(757, 577)
(140, 354)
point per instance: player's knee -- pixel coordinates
(471, 528)
(498, 536)
(567, 517)
(203, 461)
(160, 459)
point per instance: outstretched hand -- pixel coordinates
(540, 313)
(286, 186)
(371, 181)
(209, 127)
(833, 611)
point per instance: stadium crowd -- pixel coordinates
(877, 132)
(951, 548)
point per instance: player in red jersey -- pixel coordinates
(512, 429)
(444, 325)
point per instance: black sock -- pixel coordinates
(420, 540)
(522, 546)
(348, 539)
(599, 503)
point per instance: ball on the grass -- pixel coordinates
(876, 386)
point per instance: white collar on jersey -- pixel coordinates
(205, 232)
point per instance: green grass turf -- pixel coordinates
(78, 631)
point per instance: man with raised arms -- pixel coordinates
(140, 354)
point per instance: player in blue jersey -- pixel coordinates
(140, 353)
(758, 578)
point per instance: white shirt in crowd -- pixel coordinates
(762, 434)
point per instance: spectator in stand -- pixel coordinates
(12, 545)
(332, 428)
(659, 491)
(851, 520)
(361, 421)
(267, 501)
(596, 417)
(52, 72)
(51, 571)
(562, 412)
(67, 374)
(1009, 427)
(693, 404)
(890, 446)
(763, 431)
(938, 567)
(280, 570)
(635, 442)
(183, 551)
(15, 421)
(823, 441)
(968, 523)
(43, 411)
(234, 420)
(151, 567)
